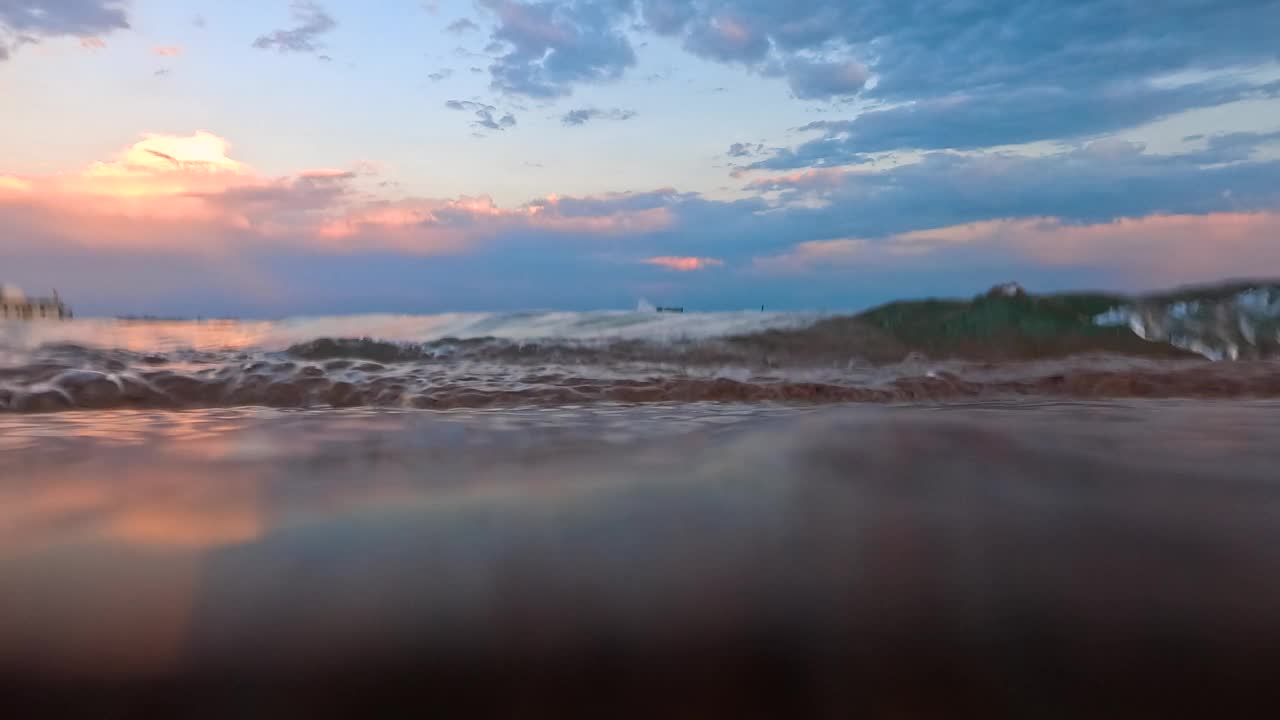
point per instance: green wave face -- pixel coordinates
(1227, 321)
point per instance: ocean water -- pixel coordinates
(624, 514)
(556, 358)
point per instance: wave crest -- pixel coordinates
(283, 382)
(1001, 343)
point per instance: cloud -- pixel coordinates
(161, 177)
(921, 48)
(466, 220)
(1232, 147)
(167, 51)
(182, 195)
(23, 23)
(815, 254)
(742, 150)
(1093, 182)
(486, 115)
(312, 21)
(943, 74)
(825, 80)
(662, 199)
(440, 74)
(683, 263)
(667, 16)
(1158, 249)
(93, 43)
(804, 180)
(462, 25)
(935, 73)
(997, 118)
(584, 115)
(728, 36)
(548, 47)
(1102, 213)
(888, 218)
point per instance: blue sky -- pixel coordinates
(282, 157)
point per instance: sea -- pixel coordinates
(627, 514)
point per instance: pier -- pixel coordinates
(15, 305)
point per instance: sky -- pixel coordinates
(275, 158)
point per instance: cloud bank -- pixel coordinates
(1112, 211)
(139, 199)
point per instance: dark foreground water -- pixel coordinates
(1073, 559)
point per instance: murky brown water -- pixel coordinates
(695, 560)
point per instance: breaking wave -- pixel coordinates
(1222, 325)
(1005, 343)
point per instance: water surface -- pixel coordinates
(647, 559)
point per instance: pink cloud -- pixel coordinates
(92, 43)
(167, 50)
(1165, 248)
(326, 173)
(731, 30)
(188, 194)
(801, 179)
(816, 253)
(454, 223)
(1155, 249)
(684, 264)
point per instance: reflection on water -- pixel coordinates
(139, 336)
(1046, 541)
